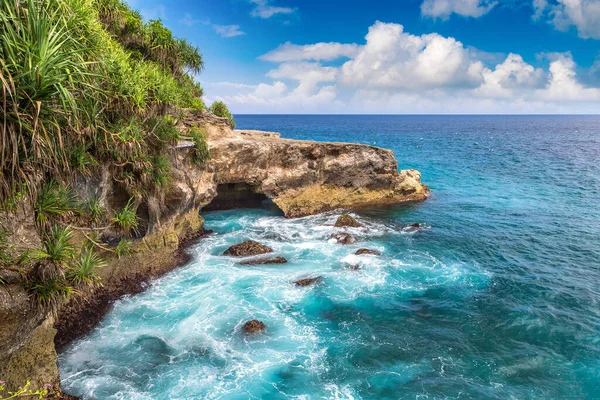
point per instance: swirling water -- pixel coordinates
(497, 297)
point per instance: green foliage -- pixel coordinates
(83, 272)
(161, 169)
(220, 110)
(126, 220)
(78, 78)
(200, 152)
(56, 246)
(52, 292)
(123, 248)
(55, 201)
(94, 209)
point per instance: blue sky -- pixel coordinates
(403, 56)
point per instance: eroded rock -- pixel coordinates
(343, 238)
(262, 261)
(253, 327)
(346, 220)
(308, 281)
(247, 248)
(360, 252)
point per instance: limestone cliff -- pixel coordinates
(245, 167)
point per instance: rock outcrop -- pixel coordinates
(360, 252)
(308, 281)
(247, 248)
(307, 177)
(343, 238)
(263, 261)
(253, 327)
(346, 220)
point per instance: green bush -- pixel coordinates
(220, 110)
(126, 220)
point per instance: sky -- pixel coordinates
(393, 56)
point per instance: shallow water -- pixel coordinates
(496, 297)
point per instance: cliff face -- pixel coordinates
(245, 167)
(306, 177)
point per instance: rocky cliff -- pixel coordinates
(245, 168)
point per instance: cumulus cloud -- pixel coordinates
(467, 8)
(228, 31)
(397, 72)
(584, 15)
(316, 52)
(263, 9)
(395, 59)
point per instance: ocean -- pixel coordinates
(497, 296)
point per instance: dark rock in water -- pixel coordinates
(261, 261)
(308, 281)
(346, 220)
(343, 238)
(367, 251)
(353, 267)
(247, 248)
(415, 225)
(253, 326)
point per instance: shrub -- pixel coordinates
(220, 110)
(200, 152)
(126, 220)
(83, 273)
(123, 248)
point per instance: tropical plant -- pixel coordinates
(220, 110)
(126, 220)
(55, 201)
(83, 272)
(200, 152)
(24, 392)
(123, 248)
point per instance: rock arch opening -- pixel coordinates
(237, 195)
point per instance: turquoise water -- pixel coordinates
(497, 297)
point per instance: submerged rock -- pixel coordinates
(262, 261)
(247, 248)
(346, 220)
(353, 267)
(254, 326)
(308, 281)
(343, 238)
(360, 252)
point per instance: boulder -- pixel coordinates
(254, 326)
(353, 267)
(343, 238)
(247, 248)
(346, 220)
(308, 281)
(262, 261)
(360, 252)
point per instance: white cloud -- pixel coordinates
(396, 72)
(584, 15)
(158, 12)
(395, 59)
(228, 31)
(188, 20)
(467, 8)
(317, 52)
(263, 9)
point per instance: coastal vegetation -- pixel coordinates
(87, 84)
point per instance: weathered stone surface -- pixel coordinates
(308, 281)
(254, 326)
(346, 220)
(247, 248)
(343, 238)
(367, 251)
(263, 261)
(307, 177)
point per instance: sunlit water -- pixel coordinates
(498, 296)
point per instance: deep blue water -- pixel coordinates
(498, 297)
